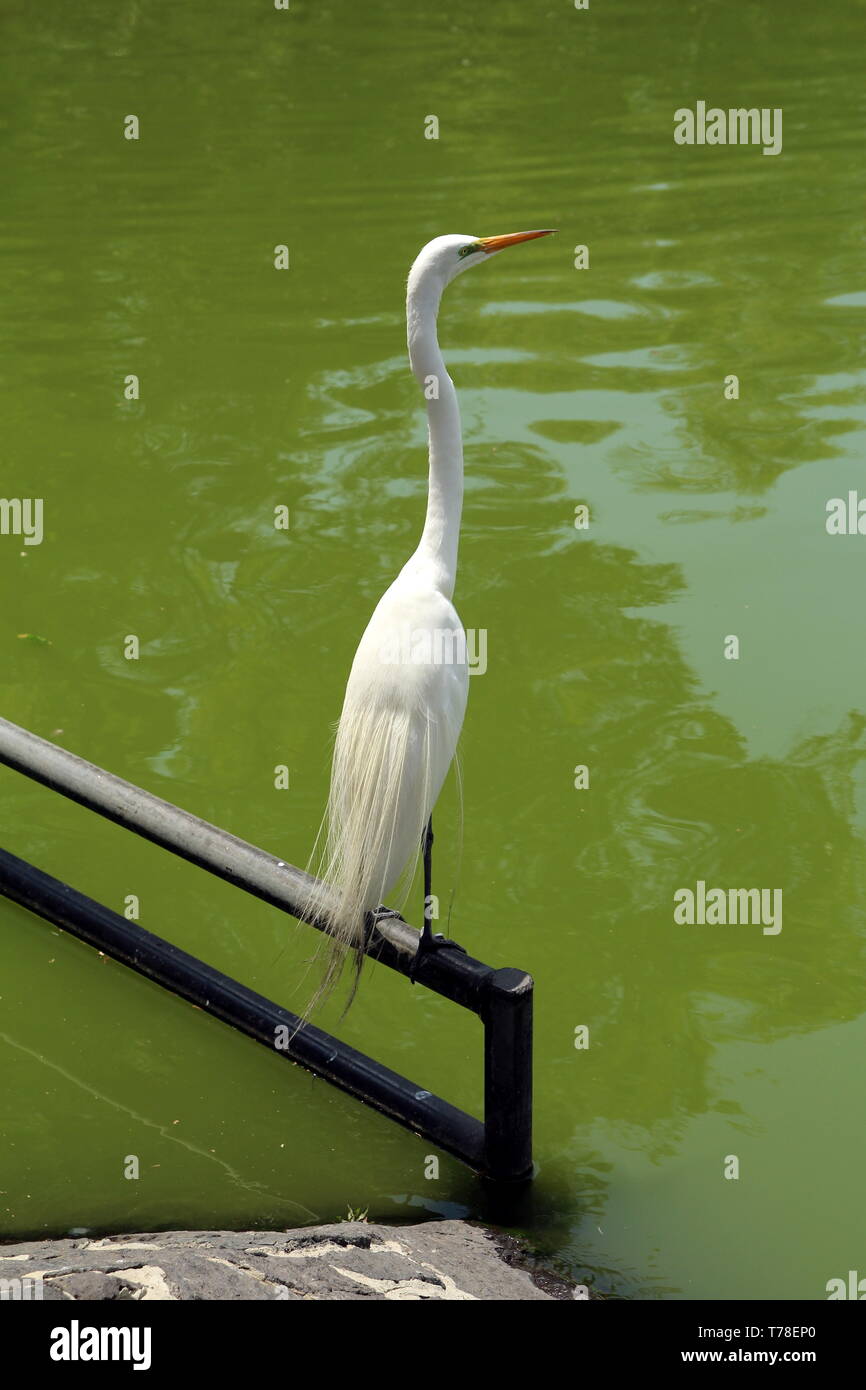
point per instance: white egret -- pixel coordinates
(406, 694)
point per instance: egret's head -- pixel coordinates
(442, 259)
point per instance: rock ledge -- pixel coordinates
(446, 1260)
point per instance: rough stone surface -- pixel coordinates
(445, 1260)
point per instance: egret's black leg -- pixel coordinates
(429, 941)
(427, 850)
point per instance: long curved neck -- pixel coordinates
(437, 549)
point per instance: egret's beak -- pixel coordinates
(499, 243)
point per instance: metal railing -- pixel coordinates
(499, 1148)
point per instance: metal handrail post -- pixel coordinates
(507, 1018)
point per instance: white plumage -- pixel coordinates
(407, 689)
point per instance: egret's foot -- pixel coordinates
(428, 943)
(381, 914)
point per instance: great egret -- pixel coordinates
(406, 694)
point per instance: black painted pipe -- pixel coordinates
(502, 998)
(451, 973)
(402, 1100)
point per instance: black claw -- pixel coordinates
(373, 918)
(428, 943)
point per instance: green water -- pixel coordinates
(606, 647)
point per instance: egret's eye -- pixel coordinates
(467, 250)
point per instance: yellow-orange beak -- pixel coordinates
(499, 243)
